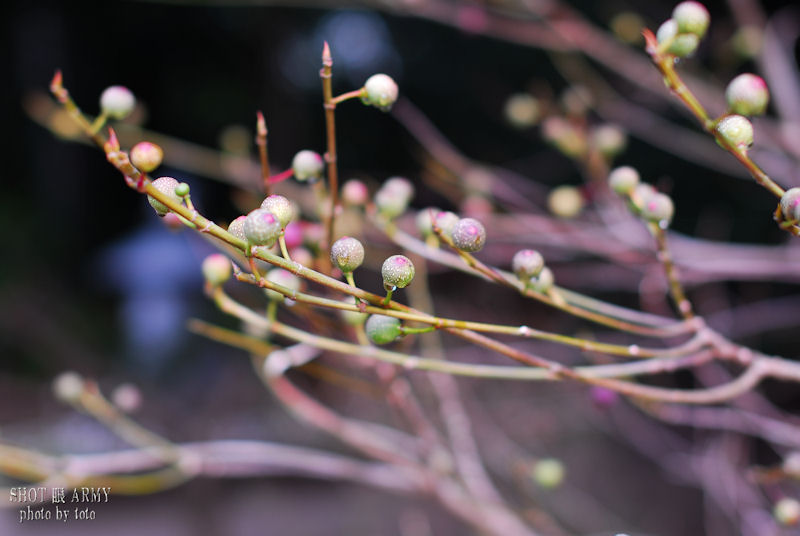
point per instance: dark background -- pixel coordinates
(90, 280)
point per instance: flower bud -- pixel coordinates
(787, 512)
(565, 201)
(399, 186)
(397, 271)
(691, 18)
(68, 386)
(284, 278)
(262, 228)
(548, 473)
(658, 208)
(307, 165)
(117, 102)
(380, 91)
(352, 318)
(737, 130)
(641, 193)
(424, 220)
(216, 269)
(680, 44)
(446, 222)
(281, 207)
(608, 140)
(382, 329)
(522, 110)
(747, 94)
(127, 397)
(543, 282)
(182, 190)
(146, 156)
(355, 193)
(347, 254)
(790, 204)
(527, 263)
(469, 235)
(623, 180)
(236, 228)
(167, 186)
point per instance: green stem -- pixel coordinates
(675, 288)
(284, 250)
(388, 298)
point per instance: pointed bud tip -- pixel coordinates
(326, 51)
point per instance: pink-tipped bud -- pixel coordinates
(469, 235)
(216, 269)
(737, 130)
(790, 204)
(527, 263)
(397, 271)
(146, 156)
(658, 208)
(262, 228)
(284, 278)
(747, 94)
(307, 165)
(355, 193)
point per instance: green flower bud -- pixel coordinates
(281, 207)
(737, 130)
(167, 186)
(307, 165)
(658, 208)
(146, 156)
(397, 271)
(216, 269)
(527, 263)
(68, 386)
(236, 227)
(469, 235)
(623, 180)
(548, 473)
(262, 228)
(544, 281)
(382, 329)
(117, 102)
(787, 512)
(284, 278)
(352, 318)
(691, 18)
(790, 204)
(182, 190)
(380, 91)
(393, 197)
(347, 254)
(747, 94)
(681, 44)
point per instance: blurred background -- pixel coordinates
(92, 281)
